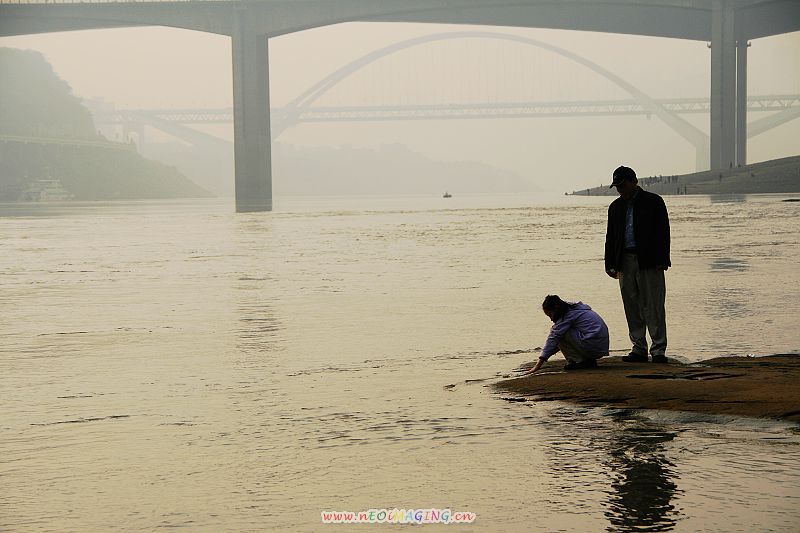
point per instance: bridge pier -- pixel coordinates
(251, 116)
(701, 157)
(728, 88)
(741, 101)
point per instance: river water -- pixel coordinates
(174, 364)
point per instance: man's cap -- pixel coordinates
(623, 174)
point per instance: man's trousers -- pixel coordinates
(643, 295)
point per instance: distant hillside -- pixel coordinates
(775, 176)
(389, 169)
(344, 170)
(49, 148)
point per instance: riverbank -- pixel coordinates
(764, 387)
(50, 149)
(775, 176)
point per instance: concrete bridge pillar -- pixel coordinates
(741, 101)
(702, 157)
(723, 86)
(252, 143)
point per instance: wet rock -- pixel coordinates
(747, 386)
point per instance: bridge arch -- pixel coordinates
(290, 113)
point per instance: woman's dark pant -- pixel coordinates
(574, 351)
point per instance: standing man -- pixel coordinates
(637, 254)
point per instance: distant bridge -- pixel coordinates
(302, 109)
(784, 108)
(574, 108)
(727, 24)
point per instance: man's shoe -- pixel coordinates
(660, 359)
(581, 366)
(634, 358)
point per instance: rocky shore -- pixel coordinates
(765, 387)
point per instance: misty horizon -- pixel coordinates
(170, 68)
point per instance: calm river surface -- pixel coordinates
(176, 364)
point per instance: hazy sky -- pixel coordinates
(164, 67)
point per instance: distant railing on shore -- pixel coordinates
(102, 1)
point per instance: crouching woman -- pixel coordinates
(578, 332)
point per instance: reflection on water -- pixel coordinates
(730, 264)
(258, 329)
(726, 303)
(728, 198)
(618, 462)
(729, 298)
(644, 481)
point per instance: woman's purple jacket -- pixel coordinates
(586, 328)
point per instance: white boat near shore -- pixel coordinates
(49, 190)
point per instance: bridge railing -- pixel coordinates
(42, 2)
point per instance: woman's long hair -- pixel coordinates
(555, 305)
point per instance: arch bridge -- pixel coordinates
(302, 109)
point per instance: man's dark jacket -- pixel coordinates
(650, 229)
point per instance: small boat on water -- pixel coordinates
(45, 190)
(447, 195)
